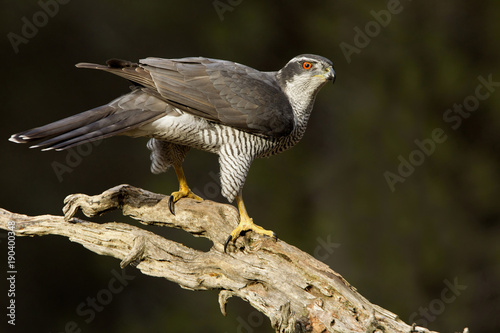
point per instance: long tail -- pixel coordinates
(124, 114)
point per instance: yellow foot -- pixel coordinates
(246, 224)
(184, 192)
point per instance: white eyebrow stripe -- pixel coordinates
(306, 59)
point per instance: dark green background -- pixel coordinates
(398, 248)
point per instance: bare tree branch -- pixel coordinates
(297, 292)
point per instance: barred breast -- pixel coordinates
(174, 134)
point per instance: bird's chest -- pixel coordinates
(275, 146)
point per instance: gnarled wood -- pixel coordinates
(297, 292)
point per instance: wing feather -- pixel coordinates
(223, 91)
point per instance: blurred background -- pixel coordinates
(410, 219)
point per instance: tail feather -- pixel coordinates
(112, 125)
(96, 124)
(63, 125)
(126, 113)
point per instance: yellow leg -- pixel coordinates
(184, 190)
(246, 224)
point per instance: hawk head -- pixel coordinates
(303, 76)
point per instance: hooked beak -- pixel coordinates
(330, 74)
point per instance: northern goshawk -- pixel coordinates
(214, 105)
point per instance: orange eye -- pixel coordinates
(306, 65)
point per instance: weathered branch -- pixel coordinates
(297, 292)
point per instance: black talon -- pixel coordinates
(275, 237)
(171, 205)
(227, 242)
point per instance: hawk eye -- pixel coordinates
(306, 65)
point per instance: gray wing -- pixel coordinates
(224, 92)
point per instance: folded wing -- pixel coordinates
(225, 92)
